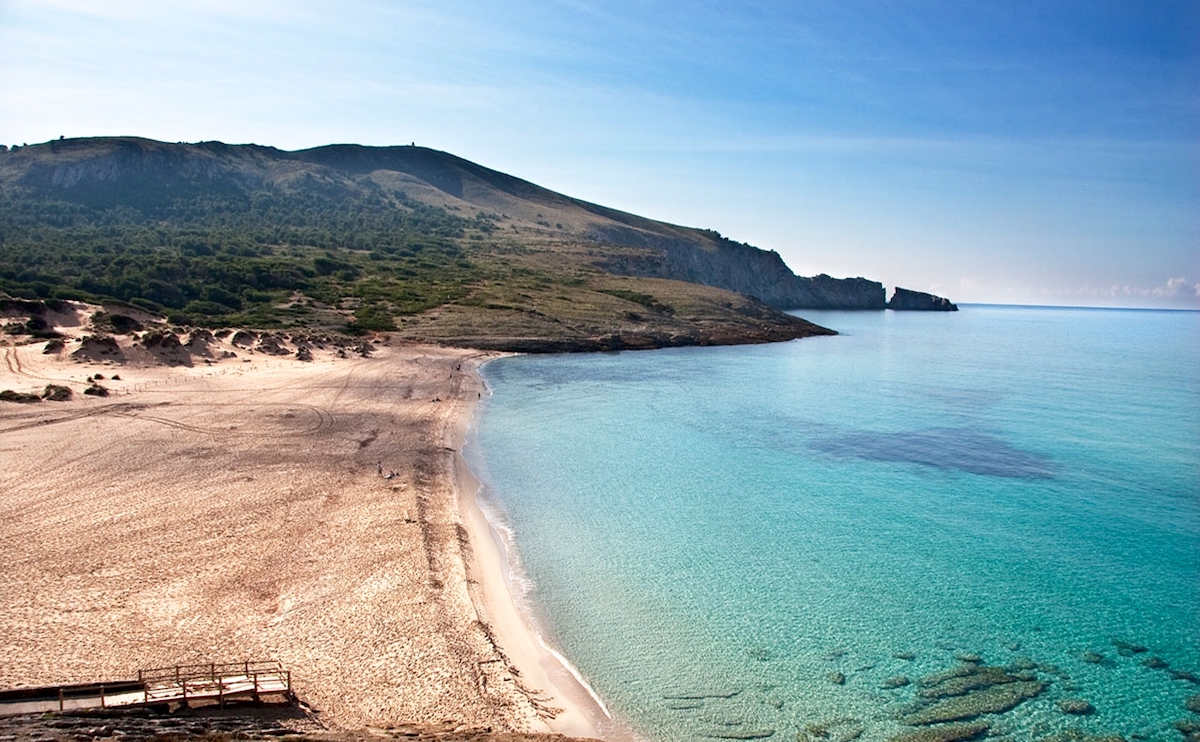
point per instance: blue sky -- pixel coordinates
(1027, 152)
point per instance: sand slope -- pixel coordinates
(237, 511)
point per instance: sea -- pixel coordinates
(811, 540)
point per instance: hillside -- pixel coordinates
(380, 238)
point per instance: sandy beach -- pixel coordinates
(262, 507)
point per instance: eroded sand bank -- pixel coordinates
(303, 511)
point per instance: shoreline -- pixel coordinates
(577, 709)
(244, 505)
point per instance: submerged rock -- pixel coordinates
(1023, 664)
(747, 734)
(1126, 649)
(898, 681)
(907, 656)
(1193, 704)
(842, 729)
(947, 733)
(1078, 735)
(1189, 728)
(1094, 658)
(1184, 675)
(1076, 706)
(993, 700)
(1155, 663)
(963, 679)
(836, 678)
(700, 696)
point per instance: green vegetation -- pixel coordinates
(57, 393)
(638, 298)
(239, 259)
(8, 395)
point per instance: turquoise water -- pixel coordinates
(712, 535)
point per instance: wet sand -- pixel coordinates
(266, 508)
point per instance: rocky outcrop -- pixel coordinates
(907, 300)
(944, 733)
(707, 258)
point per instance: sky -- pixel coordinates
(1016, 151)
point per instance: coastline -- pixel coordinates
(256, 507)
(565, 703)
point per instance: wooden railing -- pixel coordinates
(178, 684)
(219, 681)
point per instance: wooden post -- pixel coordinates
(101, 696)
(60, 699)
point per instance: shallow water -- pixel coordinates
(712, 535)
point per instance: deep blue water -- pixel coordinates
(745, 523)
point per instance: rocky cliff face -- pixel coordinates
(905, 299)
(707, 258)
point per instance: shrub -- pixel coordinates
(57, 393)
(8, 395)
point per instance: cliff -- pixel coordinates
(908, 300)
(707, 258)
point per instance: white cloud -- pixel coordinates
(1171, 288)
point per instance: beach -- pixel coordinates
(249, 506)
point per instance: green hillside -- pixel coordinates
(362, 239)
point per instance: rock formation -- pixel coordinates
(907, 300)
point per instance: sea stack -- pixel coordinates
(907, 300)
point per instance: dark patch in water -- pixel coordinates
(959, 449)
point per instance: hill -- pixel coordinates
(406, 239)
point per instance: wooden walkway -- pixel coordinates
(182, 684)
